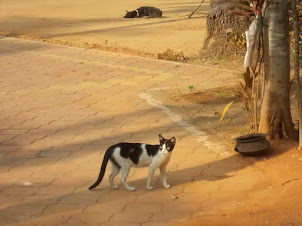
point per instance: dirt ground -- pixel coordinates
(276, 201)
(100, 25)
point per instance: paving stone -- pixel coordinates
(120, 224)
(13, 131)
(22, 211)
(15, 174)
(182, 206)
(22, 153)
(152, 223)
(223, 201)
(158, 196)
(8, 163)
(202, 186)
(54, 154)
(80, 198)
(136, 213)
(54, 191)
(171, 216)
(68, 182)
(40, 161)
(62, 107)
(9, 200)
(87, 219)
(49, 220)
(19, 191)
(241, 183)
(69, 209)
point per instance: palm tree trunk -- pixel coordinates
(226, 23)
(275, 118)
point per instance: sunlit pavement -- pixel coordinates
(61, 107)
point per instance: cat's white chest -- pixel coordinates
(157, 160)
(164, 157)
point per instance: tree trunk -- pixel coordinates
(226, 25)
(275, 118)
(229, 7)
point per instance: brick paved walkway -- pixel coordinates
(61, 107)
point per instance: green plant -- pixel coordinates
(238, 39)
(226, 108)
(190, 87)
(248, 105)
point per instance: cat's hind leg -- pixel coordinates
(124, 174)
(114, 171)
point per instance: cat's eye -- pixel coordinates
(161, 147)
(168, 148)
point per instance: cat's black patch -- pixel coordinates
(110, 154)
(170, 145)
(152, 150)
(131, 150)
(131, 14)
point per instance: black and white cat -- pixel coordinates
(123, 156)
(144, 11)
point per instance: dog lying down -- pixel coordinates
(144, 11)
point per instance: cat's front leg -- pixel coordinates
(164, 176)
(150, 176)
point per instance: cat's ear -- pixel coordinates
(173, 140)
(126, 11)
(161, 139)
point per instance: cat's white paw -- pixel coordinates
(150, 188)
(131, 189)
(114, 186)
(167, 186)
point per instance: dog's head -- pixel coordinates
(130, 14)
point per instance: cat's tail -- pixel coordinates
(107, 156)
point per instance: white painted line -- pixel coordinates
(199, 135)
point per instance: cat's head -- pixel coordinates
(165, 145)
(130, 14)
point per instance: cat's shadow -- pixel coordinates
(220, 169)
(206, 171)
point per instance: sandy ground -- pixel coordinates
(100, 24)
(276, 199)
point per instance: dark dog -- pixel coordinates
(147, 11)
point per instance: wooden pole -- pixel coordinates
(195, 9)
(297, 77)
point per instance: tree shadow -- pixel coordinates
(55, 24)
(185, 10)
(18, 46)
(162, 21)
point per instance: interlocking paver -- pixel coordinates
(61, 107)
